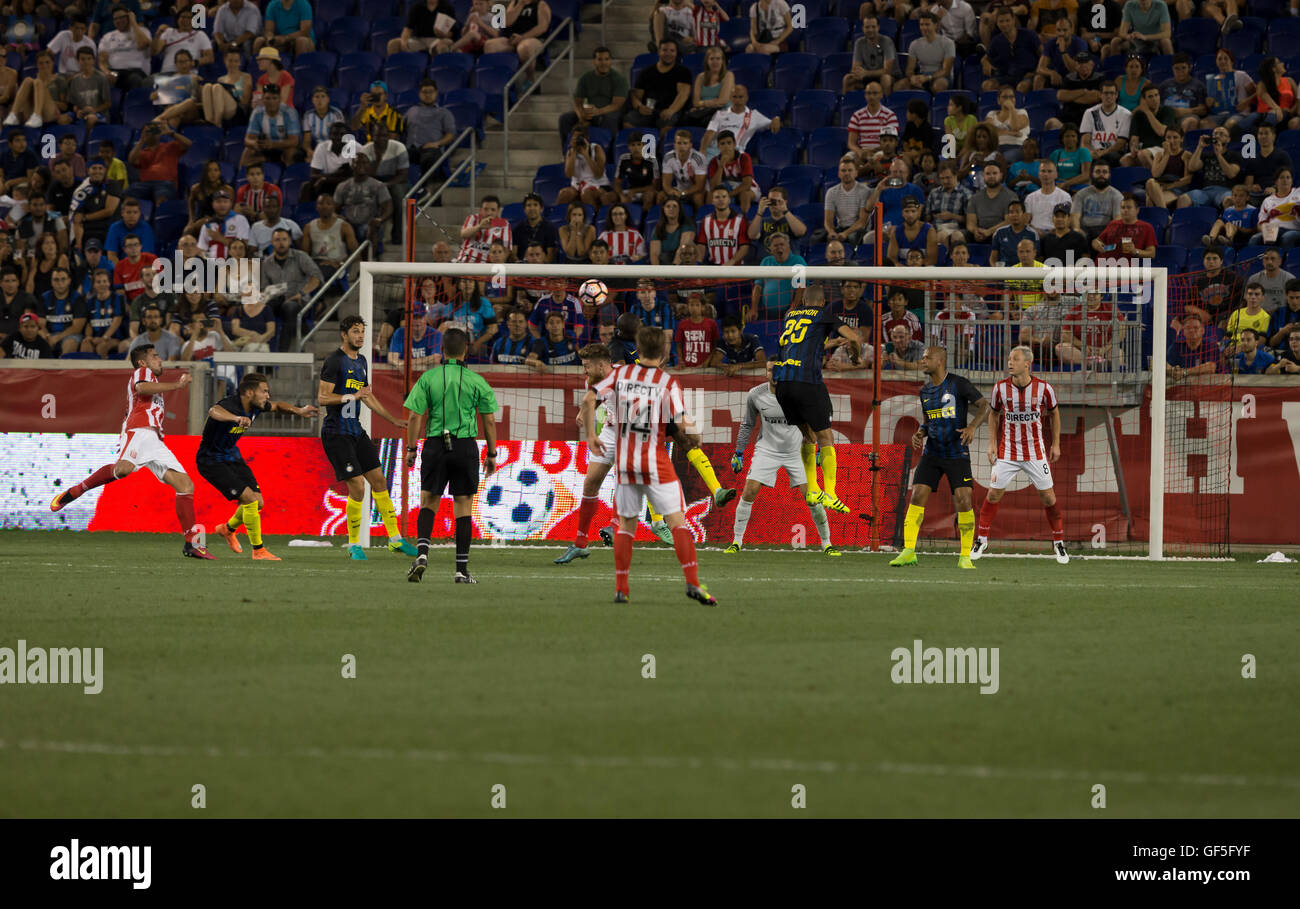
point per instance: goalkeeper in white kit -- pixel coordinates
(779, 445)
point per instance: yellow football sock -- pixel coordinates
(912, 525)
(354, 521)
(700, 461)
(253, 523)
(966, 524)
(236, 519)
(808, 453)
(828, 470)
(386, 512)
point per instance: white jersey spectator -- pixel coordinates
(684, 172)
(65, 45)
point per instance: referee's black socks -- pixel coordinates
(464, 532)
(424, 530)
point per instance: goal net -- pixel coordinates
(1145, 458)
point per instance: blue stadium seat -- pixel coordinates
(827, 145)
(795, 72)
(448, 78)
(1173, 258)
(1126, 178)
(810, 213)
(771, 102)
(407, 60)
(764, 176)
(327, 60)
(1243, 43)
(467, 116)
(502, 60)
(354, 79)
(1188, 225)
(305, 80)
(347, 34)
(1158, 218)
(333, 10)
(735, 33)
(824, 37)
(383, 30)
(1283, 37)
(1248, 260)
(402, 79)
(799, 172)
(1292, 263)
(370, 62)
(775, 149)
(462, 62)
(834, 68)
(1197, 36)
(549, 181)
(750, 74)
(1039, 114)
(800, 192)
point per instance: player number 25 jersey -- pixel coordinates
(1021, 410)
(143, 411)
(642, 400)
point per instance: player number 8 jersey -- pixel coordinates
(1021, 410)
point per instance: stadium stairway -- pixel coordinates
(534, 135)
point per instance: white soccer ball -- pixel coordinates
(593, 293)
(516, 502)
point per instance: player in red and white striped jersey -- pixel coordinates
(142, 446)
(642, 400)
(723, 233)
(1021, 403)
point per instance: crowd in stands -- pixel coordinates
(1002, 133)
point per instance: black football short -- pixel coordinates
(350, 456)
(805, 403)
(454, 471)
(230, 478)
(931, 470)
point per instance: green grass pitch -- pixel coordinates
(1125, 674)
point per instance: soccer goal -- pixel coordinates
(1144, 465)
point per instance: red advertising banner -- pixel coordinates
(79, 400)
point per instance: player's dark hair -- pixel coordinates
(1256, 285)
(1242, 333)
(130, 202)
(346, 324)
(251, 381)
(649, 342)
(730, 322)
(139, 353)
(454, 343)
(726, 134)
(1293, 286)
(627, 325)
(595, 352)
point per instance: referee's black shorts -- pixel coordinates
(805, 403)
(230, 478)
(931, 470)
(454, 471)
(350, 456)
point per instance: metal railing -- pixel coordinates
(292, 378)
(507, 109)
(470, 162)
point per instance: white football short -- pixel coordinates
(608, 438)
(765, 465)
(1004, 471)
(143, 448)
(665, 498)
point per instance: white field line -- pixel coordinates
(871, 768)
(562, 577)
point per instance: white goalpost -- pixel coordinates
(1149, 285)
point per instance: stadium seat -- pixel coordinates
(383, 30)
(365, 60)
(795, 72)
(775, 149)
(503, 60)
(749, 74)
(800, 191)
(824, 37)
(407, 60)
(1248, 260)
(810, 213)
(402, 79)
(1283, 37)
(347, 34)
(735, 33)
(1039, 114)
(1173, 258)
(1158, 218)
(826, 145)
(333, 10)
(771, 102)
(462, 62)
(1292, 263)
(834, 69)
(549, 181)
(305, 80)
(1126, 178)
(1188, 225)
(354, 79)
(764, 176)
(809, 115)
(327, 60)
(449, 78)
(1243, 43)
(1197, 36)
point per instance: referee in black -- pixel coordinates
(449, 398)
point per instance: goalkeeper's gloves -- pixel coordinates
(737, 462)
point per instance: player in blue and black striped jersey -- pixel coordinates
(623, 348)
(220, 463)
(946, 431)
(512, 346)
(801, 392)
(344, 387)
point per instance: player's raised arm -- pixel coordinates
(220, 414)
(286, 407)
(153, 388)
(587, 414)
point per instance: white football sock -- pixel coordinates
(823, 526)
(742, 520)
